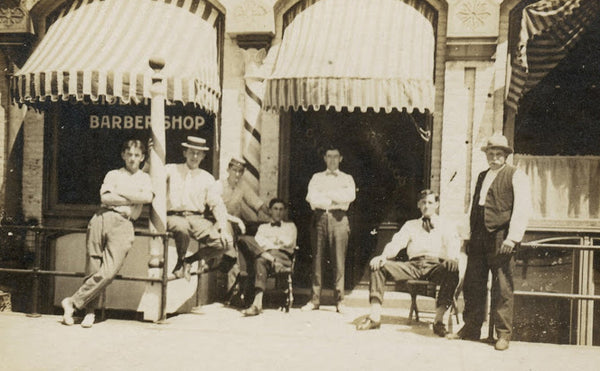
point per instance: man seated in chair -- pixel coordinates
(432, 246)
(273, 247)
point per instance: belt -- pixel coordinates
(184, 213)
(330, 211)
(105, 210)
(426, 257)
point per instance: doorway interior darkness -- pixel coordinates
(388, 160)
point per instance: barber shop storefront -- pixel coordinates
(408, 89)
(88, 86)
(360, 75)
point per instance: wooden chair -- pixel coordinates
(428, 289)
(284, 281)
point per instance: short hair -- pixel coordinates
(277, 200)
(426, 192)
(133, 143)
(332, 147)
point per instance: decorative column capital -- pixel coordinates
(16, 28)
(254, 41)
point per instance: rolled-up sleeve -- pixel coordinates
(216, 204)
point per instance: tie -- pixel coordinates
(427, 224)
(332, 173)
(275, 224)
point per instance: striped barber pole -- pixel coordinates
(251, 138)
(549, 29)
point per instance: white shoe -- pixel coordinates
(309, 307)
(88, 320)
(197, 310)
(68, 309)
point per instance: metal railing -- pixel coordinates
(584, 244)
(36, 271)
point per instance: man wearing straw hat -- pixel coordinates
(191, 191)
(499, 216)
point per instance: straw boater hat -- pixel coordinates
(237, 161)
(498, 141)
(195, 143)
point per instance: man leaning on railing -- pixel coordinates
(110, 232)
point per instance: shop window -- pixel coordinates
(85, 143)
(557, 131)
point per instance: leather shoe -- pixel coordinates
(252, 311)
(502, 343)
(340, 308)
(368, 324)
(465, 333)
(440, 329)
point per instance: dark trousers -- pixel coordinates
(330, 232)
(418, 269)
(264, 267)
(483, 258)
(205, 232)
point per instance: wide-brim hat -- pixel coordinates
(498, 141)
(195, 143)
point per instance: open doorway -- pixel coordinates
(388, 158)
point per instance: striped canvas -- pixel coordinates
(355, 54)
(99, 50)
(549, 28)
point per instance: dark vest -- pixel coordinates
(499, 200)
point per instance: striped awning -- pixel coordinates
(99, 50)
(352, 54)
(549, 29)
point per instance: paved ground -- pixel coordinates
(221, 339)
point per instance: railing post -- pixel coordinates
(35, 287)
(165, 280)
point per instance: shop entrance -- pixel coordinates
(388, 158)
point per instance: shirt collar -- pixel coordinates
(334, 172)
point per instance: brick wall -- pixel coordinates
(33, 164)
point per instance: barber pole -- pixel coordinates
(253, 92)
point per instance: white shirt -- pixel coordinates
(331, 190)
(521, 204)
(123, 179)
(234, 197)
(194, 190)
(442, 241)
(272, 237)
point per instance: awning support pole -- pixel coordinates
(158, 211)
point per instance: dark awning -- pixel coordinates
(100, 49)
(361, 54)
(549, 28)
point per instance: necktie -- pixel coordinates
(275, 224)
(332, 173)
(427, 224)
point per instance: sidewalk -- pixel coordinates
(221, 339)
